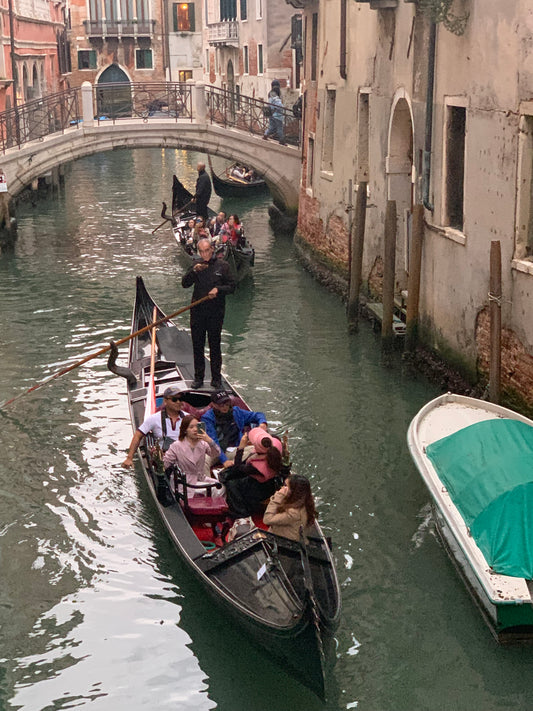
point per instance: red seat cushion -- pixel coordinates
(207, 506)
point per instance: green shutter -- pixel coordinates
(191, 17)
(175, 16)
(92, 59)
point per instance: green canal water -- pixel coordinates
(95, 609)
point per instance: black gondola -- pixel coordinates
(284, 593)
(230, 185)
(240, 258)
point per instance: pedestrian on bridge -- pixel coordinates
(275, 117)
(203, 192)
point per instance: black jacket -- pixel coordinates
(218, 274)
(203, 189)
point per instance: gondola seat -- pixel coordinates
(210, 509)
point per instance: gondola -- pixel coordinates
(240, 258)
(230, 185)
(283, 593)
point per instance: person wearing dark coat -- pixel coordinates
(203, 191)
(211, 277)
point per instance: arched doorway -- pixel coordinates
(399, 168)
(114, 101)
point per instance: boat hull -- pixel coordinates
(231, 188)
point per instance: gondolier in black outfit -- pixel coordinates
(210, 276)
(203, 191)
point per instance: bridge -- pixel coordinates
(43, 134)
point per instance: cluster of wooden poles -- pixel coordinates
(357, 238)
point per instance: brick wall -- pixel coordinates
(517, 364)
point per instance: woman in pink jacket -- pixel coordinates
(189, 453)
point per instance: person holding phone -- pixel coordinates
(189, 453)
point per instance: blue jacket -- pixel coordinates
(241, 417)
(276, 105)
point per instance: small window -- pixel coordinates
(259, 9)
(455, 166)
(184, 74)
(310, 162)
(244, 9)
(87, 59)
(143, 59)
(314, 45)
(207, 61)
(259, 58)
(245, 60)
(328, 133)
(183, 16)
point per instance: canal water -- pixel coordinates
(95, 610)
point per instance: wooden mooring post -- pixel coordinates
(389, 268)
(413, 281)
(495, 300)
(357, 241)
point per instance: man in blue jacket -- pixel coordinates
(225, 423)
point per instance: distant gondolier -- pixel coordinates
(211, 277)
(203, 191)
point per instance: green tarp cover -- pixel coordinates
(488, 471)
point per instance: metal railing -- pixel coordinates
(39, 118)
(119, 28)
(228, 108)
(146, 100)
(226, 32)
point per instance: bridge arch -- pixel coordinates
(281, 170)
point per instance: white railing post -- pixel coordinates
(199, 104)
(87, 104)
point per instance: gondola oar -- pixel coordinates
(102, 351)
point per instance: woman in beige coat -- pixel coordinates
(290, 508)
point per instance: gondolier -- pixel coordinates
(203, 191)
(211, 277)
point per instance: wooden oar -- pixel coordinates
(103, 350)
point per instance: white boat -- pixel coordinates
(476, 459)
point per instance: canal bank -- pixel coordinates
(95, 610)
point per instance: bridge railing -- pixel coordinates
(146, 100)
(39, 118)
(229, 108)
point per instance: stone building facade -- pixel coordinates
(184, 31)
(463, 147)
(117, 41)
(247, 43)
(38, 28)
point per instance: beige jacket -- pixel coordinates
(285, 523)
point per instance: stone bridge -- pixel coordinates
(203, 128)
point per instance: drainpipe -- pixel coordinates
(426, 167)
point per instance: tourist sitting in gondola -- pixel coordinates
(217, 223)
(232, 231)
(291, 507)
(248, 483)
(163, 425)
(238, 171)
(225, 424)
(190, 452)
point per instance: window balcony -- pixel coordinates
(119, 28)
(224, 33)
